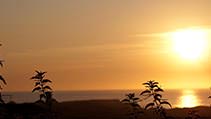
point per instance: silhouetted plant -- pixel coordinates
(209, 97)
(4, 82)
(133, 101)
(153, 91)
(41, 86)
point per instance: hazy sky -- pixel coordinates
(98, 44)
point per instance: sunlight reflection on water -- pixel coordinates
(188, 99)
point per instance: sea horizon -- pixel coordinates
(177, 97)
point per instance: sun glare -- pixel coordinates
(188, 99)
(190, 44)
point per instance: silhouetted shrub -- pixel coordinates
(41, 86)
(153, 91)
(4, 82)
(133, 102)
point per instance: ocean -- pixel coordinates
(178, 98)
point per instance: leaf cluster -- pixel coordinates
(1, 77)
(41, 85)
(133, 101)
(154, 91)
(3, 81)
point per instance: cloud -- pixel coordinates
(207, 28)
(150, 34)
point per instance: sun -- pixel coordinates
(191, 43)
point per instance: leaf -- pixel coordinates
(125, 100)
(47, 87)
(35, 77)
(1, 63)
(157, 96)
(46, 80)
(146, 91)
(130, 95)
(135, 99)
(37, 83)
(147, 86)
(159, 90)
(155, 83)
(135, 105)
(2, 79)
(40, 72)
(153, 86)
(149, 105)
(151, 82)
(36, 89)
(37, 71)
(145, 83)
(39, 75)
(167, 103)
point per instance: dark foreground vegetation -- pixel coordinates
(26, 111)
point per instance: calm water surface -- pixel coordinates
(178, 98)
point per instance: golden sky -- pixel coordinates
(96, 44)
